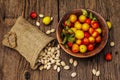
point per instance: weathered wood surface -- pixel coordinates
(13, 65)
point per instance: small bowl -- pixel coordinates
(99, 47)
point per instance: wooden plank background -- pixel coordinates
(13, 65)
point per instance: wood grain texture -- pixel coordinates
(13, 66)
(109, 70)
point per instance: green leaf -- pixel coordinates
(94, 19)
(84, 12)
(63, 31)
(70, 31)
(72, 35)
(71, 39)
(66, 46)
(62, 35)
(91, 16)
(64, 40)
(66, 28)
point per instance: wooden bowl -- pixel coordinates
(99, 47)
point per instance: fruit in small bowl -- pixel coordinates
(82, 33)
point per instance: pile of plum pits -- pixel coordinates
(81, 33)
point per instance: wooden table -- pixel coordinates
(13, 65)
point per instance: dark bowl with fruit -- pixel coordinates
(82, 33)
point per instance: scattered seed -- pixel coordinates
(53, 49)
(41, 15)
(58, 63)
(55, 67)
(48, 32)
(49, 49)
(58, 51)
(112, 44)
(94, 71)
(66, 67)
(56, 58)
(71, 60)
(48, 52)
(63, 63)
(58, 55)
(53, 56)
(52, 61)
(41, 67)
(75, 63)
(58, 69)
(58, 46)
(51, 18)
(52, 30)
(98, 73)
(48, 67)
(37, 23)
(45, 66)
(49, 63)
(45, 62)
(73, 74)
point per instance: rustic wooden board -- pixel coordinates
(109, 70)
(11, 63)
(13, 66)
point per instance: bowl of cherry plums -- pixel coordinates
(82, 33)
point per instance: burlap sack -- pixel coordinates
(27, 40)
